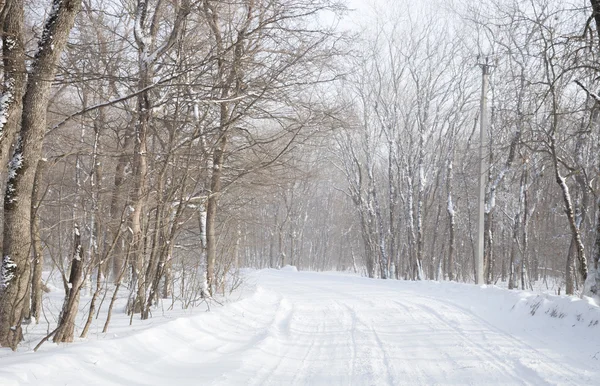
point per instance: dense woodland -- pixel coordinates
(154, 148)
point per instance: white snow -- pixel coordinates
(14, 166)
(6, 277)
(5, 101)
(289, 268)
(298, 328)
(450, 207)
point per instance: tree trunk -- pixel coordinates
(92, 310)
(229, 82)
(434, 263)
(570, 270)
(15, 76)
(525, 238)
(412, 245)
(392, 193)
(213, 199)
(451, 222)
(38, 253)
(140, 172)
(592, 284)
(376, 218)
(14, 274)
(167, 289)
(66, 323)
(145, 32)
(117, 258)
(164, 256)
(420, 198)
(575, 234)
(18, 197)
(513, 254)
(488, 249)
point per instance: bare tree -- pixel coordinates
(28, 151)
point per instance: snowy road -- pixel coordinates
(314, 329)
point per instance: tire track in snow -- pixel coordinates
(368, 363)
(369, 331)
(322, 329)
(416, 372)
(386, 358)
(476, 348)
(492, 357)
(367, 337)
(506, 334)
(272, 345)
(549, 363)
(352, 346)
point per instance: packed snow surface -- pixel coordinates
(297, 328)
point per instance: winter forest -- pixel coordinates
(152, 149)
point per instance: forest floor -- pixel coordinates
(302, 328)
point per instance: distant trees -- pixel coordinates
(408, 145)
(410, 97)
(540, 121)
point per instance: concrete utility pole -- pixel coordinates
(485, 70)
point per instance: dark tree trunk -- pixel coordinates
(38, 253)
(66, 323)
(451, 223)
(17, 201)
(13, 58)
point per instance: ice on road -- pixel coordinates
(301, 328)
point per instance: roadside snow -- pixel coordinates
(289, 268)
(298, 328)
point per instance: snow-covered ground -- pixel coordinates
(297, 328)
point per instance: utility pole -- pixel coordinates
(485, 70)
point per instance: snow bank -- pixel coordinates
(574, 311)
(514, 306)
